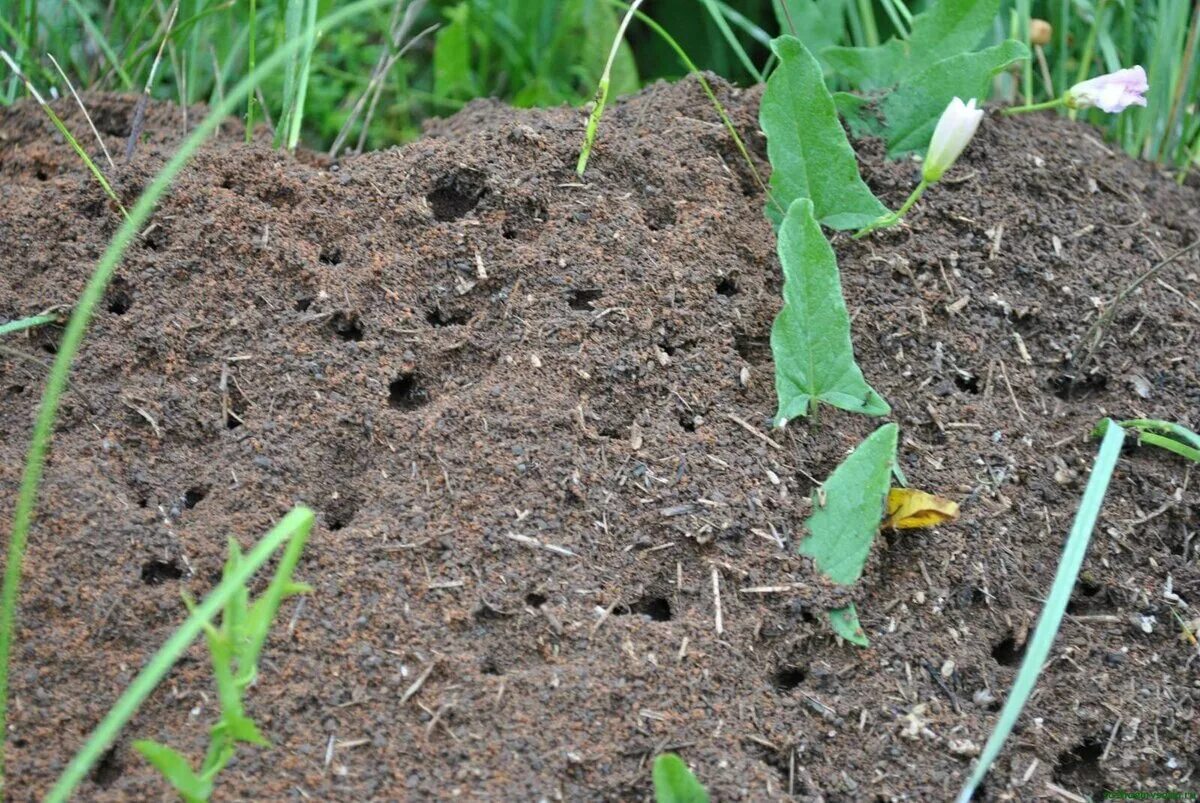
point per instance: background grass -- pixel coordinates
(545, 52)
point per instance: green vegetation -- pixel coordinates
(675, 783)
(1038, 649)
(1167, 435)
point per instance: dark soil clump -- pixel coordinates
(447, 345)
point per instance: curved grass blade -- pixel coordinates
(810, 339)
(1055, 607)
(731, 39)
(1163, 434)
(809, 152)
(73, 335)
(295, 526)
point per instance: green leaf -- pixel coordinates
(848, 507)
(818, 23)
(845, 623)
(861, 115)
(945, 29)
(176, 769)
(810, 340)
(452, 77)
(1056, 605)
(1163, 434)
(810, 155)
(242, 729)
(674, 782)
(912, 111)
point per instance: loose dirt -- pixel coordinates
(533, 413)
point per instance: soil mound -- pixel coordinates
(533, 414)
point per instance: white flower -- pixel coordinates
(954, 130)
(1114, 92)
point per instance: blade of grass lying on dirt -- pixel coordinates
(1163, 434)
(809, 152)
(26, 323)
(945, 28)
(810, 339)
(1056, 605)
(675, 783)
(848, 507)
(293, 529)
(76, 327)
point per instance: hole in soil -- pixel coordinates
(437, 317)
(687, 421)
(302, 304)
(339, 514)
(660, 216)
(456, 195)
(41, 175)
(108, 768)
(347, 325)
(727, 287)
(331, 255)
(194, 496)
(535, 600)
(656, 608)
(1069, 387)
(788, 678)
(1079, 767)
(1007, 653)
(489, 667)
(118, 299)
(236, 411)
(157, 572)
(406, 393)
(968, 383)
(583, 299)
(753, 349)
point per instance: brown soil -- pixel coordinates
(443, 346)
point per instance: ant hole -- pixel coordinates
(1008, 652)
(194, 496)
(347, 325)
(727, 286)
(331, 256)
(302, 304)
(657, 609)
(108, 768)
(968, 383)
(405, 393)
(535, 600)
(788, 677)
(583, 299)
(157, 572)
(118, 299)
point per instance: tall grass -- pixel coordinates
(77, 325)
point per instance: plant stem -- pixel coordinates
(892, 218)
(593, 122)
(1035, 107)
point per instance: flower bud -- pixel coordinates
(1040, 32)
(1113, 93)
(954, 130)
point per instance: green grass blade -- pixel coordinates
(296, 523)
(310, 24)
(26, 323)
(176, 769)
(593, 123)
(77, 326)
(1055, 607)
(731, 39)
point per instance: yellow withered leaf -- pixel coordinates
(909, 509)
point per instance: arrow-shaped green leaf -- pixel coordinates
(814, 358)
(810, 155)
(848, 508)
